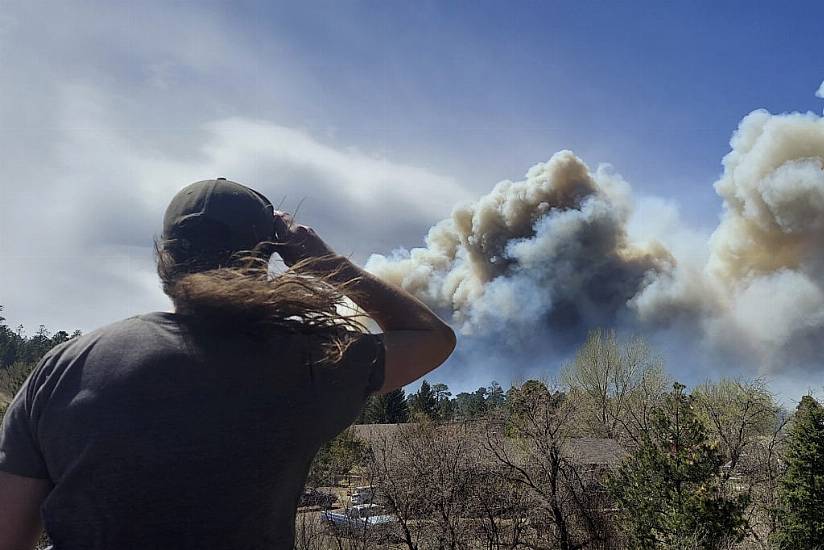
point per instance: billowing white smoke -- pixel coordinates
(552, 253)
(762, 290)
(768, 251)
(550, 249)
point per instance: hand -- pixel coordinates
(296, 243)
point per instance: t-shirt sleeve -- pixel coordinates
(365, 358)
(19, 451)
(342, 388)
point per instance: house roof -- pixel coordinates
(595, 451)
(592, 451)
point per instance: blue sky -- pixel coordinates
(381, 115)
(655, 88)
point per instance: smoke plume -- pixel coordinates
(552, 253)
(768, 251)
(552, 248)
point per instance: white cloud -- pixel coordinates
(105, 118)
(103, 201)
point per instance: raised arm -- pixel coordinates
(416, 340)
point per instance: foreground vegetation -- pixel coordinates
(723, 466)
(615, 454)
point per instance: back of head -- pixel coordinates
(213, 262)
(209, 224)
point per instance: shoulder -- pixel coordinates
(118, 335)
(84, 342)
(353, 347)
(365, 347)
(142, 325)
(361, 363)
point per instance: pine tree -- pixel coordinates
(390, 408)
(669, 490)
(800, 516)
(424, 401)
(442, 397)
(496, 398)
(470, 406)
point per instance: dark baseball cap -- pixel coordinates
(219, 215)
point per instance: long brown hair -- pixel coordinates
(239, 291)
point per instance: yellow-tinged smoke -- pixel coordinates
(552, 247)
(761, 292)
(552, 253)
(773, 191)
(768, 252)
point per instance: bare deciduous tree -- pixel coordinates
(736, 414)
(616, 385)
(534, 452)
(424, 475)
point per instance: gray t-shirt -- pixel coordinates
(155, 434)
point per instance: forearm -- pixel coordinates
(415, 340)
(391, 307)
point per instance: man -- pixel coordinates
(196, 428)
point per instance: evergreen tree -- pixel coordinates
(424, 401)
(441, 391)
(469, 406)
(801, 493)
(442, 396)
(390, 408)
(478, 403)
(462, 405)
(495, 396)
(670, 492)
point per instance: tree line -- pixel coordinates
(20, 353)
(434, 402)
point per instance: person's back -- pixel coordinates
(157, 434)
(196, 429)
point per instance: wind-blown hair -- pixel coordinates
(238, 291)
